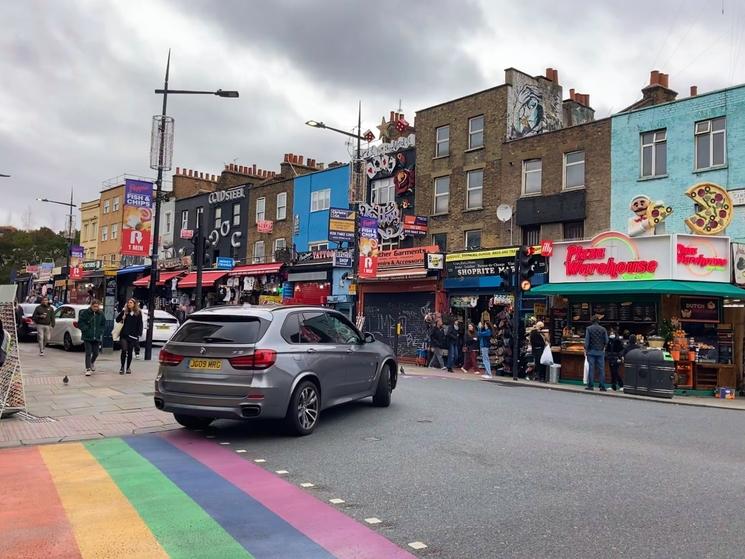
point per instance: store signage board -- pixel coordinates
(416, 225)
(342, 259)
(404, 257)
(224, 263)
(699, 309)
(92, 265)
(138, 217)
(614, 256)
(738, 262)
(186, 234)
(480, 267)
(77, 251)
(220, 196)
(738, 197)
(342, 224)
(265, 226)
(368, 267)
(435, 261)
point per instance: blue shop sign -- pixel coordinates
(224, 263)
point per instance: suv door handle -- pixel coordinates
(349, 350)
(311, 350)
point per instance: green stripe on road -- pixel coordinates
(181, 526)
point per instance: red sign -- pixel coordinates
(405, 256)
(577, 263)
(690, 256)
(265, 226)
(138, 217)
(76, 273)
(547, 248)
(187, 234)
(368, 267)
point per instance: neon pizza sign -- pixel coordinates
(593, 261)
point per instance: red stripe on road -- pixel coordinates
(33, 522)
(341, 535)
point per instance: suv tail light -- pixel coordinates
(27, 320)
(168, 358)
(259, 359)
(75, 324)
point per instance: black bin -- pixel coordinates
(649, 372)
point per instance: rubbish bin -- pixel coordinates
(649, 372)
(554, 373)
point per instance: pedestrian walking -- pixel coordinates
(438, 343)
(44, 318)
(131, 319)
(452, 337)
(614, 353)
(461, 344)
(596, 340)
(484, 335)
(537, 345)
(471, 343)
(92, 323)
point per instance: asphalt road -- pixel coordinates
(478, 470)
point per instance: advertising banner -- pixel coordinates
(738, 262)
(341, 225)
(368, 267)
(77, 251)
(138, 218)
(368, 243)
(265, 226)
(416, 225)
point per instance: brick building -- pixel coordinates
(460, 153)
(89, 213)
(110, 219)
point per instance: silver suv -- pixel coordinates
(287, 362)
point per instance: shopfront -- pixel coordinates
(318, 278)
(403, 292)
(90, 285)
(259, 284)
(166, 289)
(669, 291)
(212, 280)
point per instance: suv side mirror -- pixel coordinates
(368, 337)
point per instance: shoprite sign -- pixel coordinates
(481, 262)
(613, 256)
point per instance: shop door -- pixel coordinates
(383, 310)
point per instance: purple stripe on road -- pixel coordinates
(341, 535)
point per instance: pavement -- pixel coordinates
(103, 405)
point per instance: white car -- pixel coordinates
(164, 327)
(66, 332)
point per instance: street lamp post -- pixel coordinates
(71, 237)
(158, 195)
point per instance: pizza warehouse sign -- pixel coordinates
(614, 256)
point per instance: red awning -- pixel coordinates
(208, 278)
(257, 269)
(163, 277)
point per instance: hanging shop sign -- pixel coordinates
(368, 243)
(342, 259)
(92, 265)
(614, 256)
(714, 209)
(435, 261)
(265, 226)
(341, 225)
(738, 262)
(220, 196)
(396, 145)
(405, 257)
(368, 267)
(224, 263)
(76, 272)
(699, 309)
(416, 225)
(77, 251)
(464, 302)
(138, 216)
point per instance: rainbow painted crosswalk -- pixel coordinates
(169, 495)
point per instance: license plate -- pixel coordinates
(207, 364)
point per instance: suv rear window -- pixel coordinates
(222, 330)
(166, 320)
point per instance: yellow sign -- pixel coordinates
(353, 289)
(715, 209)
(343, 225)
(270, 299)
(481, 254)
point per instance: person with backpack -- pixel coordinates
(92, 323)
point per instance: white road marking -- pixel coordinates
(417, 545)
(224, 443)
(336, 501)
(259, 460)
(373, 520)
(281, 472)
(241, 451)
(307, 485)
(210, 436)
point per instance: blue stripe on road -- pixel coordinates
(264, 534)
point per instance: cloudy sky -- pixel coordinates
(77, 76)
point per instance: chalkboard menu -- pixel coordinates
(383, 310)
(581, 312)
(558, 321)
(627, 311)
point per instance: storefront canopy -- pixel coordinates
(256, 269)
(661, 287)
(208, 279)
(163, 277)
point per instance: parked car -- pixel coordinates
(277, 362)
(27, 329)
(66, 332)
(164, 327)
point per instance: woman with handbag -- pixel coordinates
(131, 320)
(537, 345)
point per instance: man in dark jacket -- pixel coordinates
(452, 336)
(596, 340)
(438, 343)
(615, 352)
(92, 324)
(44, 318)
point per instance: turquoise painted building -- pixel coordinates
(662, 150)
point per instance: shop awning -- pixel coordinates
(257, 269)
(208, 279)
(661, 287)
(132, 270)
(163, 277)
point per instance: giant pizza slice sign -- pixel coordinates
(713, 209)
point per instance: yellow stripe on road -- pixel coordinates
(104, 522)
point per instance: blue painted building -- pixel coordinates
(662, 150)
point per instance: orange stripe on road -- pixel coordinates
(105, 524)
(32, 520)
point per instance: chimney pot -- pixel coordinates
(300, 158)
(654, 77)
(178, 170)
(391, 117)
(253, 169)
(571, 94)
(664, 81)
(287, 157)
(550, 74)
(694, 90)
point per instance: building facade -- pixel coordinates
(660, 151)
(110, 219)
(89, 215)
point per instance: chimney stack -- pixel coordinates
(300, 159)
(654, 77)
(664, 81)
(694, 90)
(553, 75)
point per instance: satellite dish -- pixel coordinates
(504, 212)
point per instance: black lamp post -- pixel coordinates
(70, 240)
(158, 188)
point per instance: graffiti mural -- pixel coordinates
(390, 225)
(532, 108)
